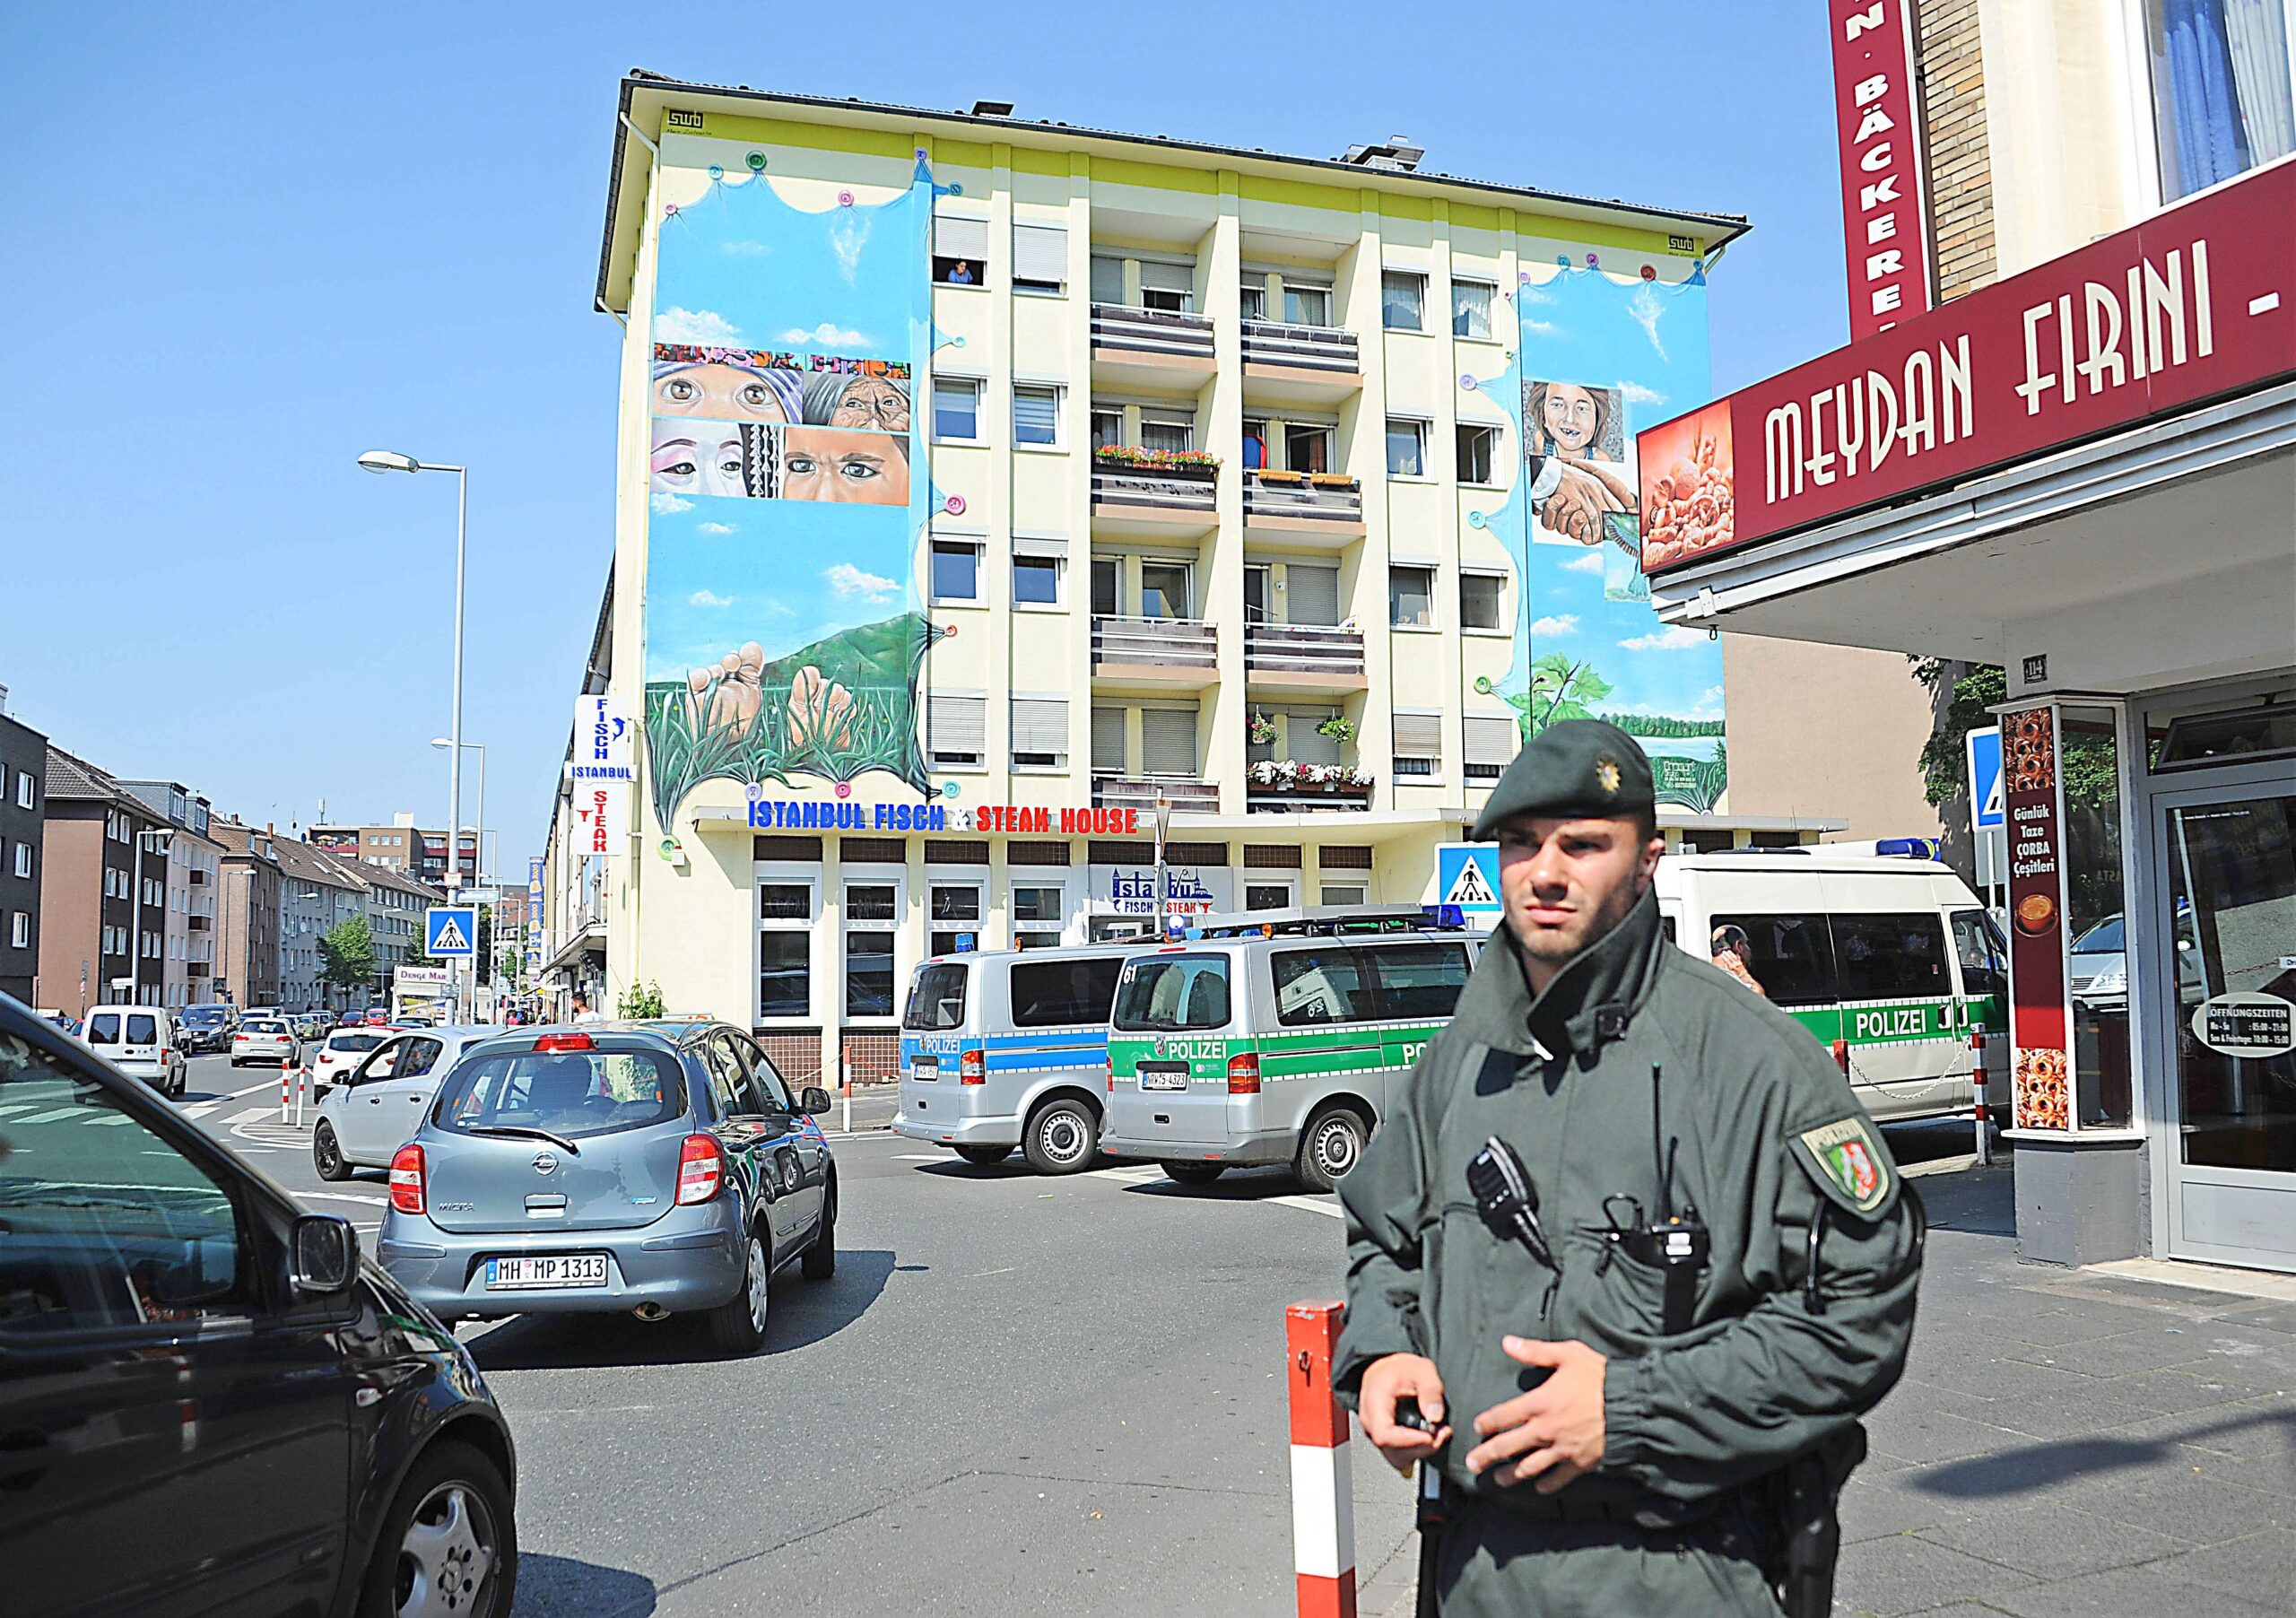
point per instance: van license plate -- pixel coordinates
(926, 1070)
(1163, 1075)
(561, 1269)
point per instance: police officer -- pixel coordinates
(1640, 1330)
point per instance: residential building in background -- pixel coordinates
(193, 878)
(400, 846)
(247, 948)
(395, 905)
(317, 891)
(103, 911)
(23, 771)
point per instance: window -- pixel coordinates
(1307, 449)
(1168, 430)
(1420, 981)
(959, 728)
(1107, 429)
(1108, 741)
(1343, 892)
(1482, 600)
(19, 929)
(785, 949)
(1039, 259)
(2221, 96)
(1492, 743)
(1036, 580)
(955, 909)
(872, 902)
(956, 570)
(960, 250)
(936, 999)
(729, 1079)
(1319, 986)
(131, 1233)
(24, 859)
(1306, 305)
(1168, 741)
(1107, 574)
(1790, 956)
(1170, 287)
(765, 1078)
(1064, 994)
(1471, 308)
(25, 788)
(1312, 593)
(1040, 733)
(1406, 447)
(1108, 280)
(1168, 992)
(956, 408)
(869, 950)
(1037, 918)
(1890, 957)
(1253, 302)
(1036, 415)
(580, 1094)
(1164, 589)
(1977, 944)
(1478, 453)
(1419, 744)
(1410, 596)
(1256, 576)
(1401, 296)
(1267, 896)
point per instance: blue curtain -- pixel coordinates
(2202, 138)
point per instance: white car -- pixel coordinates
(270, 1040)
(342, 1049)
(369, 1112)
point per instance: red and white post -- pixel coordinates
(1323, 1483)
(1979, 1072)
(286, 1084)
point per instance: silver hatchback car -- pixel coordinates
(658, 1168)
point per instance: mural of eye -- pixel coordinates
(680, 390)
(753, 395)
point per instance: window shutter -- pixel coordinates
(1050, 545)
(1036, 415)
(959, 238)
(1168, 741)
(960, 724)
(1419, 736)
(1159, 277)
(1108, 280)
(1309, 745)
(1108, 741)
(1490, 741)
(1314, 594)
(1041, 253)
(1040, 724)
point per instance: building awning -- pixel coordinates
(590, 941)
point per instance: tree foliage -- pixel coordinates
(347, 954)
(1944, 763)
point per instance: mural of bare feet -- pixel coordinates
(729, 697)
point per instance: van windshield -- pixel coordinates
(1173, 991)
(936, 999)
(573, 1095)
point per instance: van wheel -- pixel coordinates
(1328, 1150)
(983, 1157)
(1061, 1138)
(327, 1153)
(450, 1544)
(1193, 1174)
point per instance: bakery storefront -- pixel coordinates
(2085, 476)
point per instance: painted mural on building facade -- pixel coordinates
(1596, 354)
(786, 488)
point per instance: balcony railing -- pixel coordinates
(1177, 643)
(1185, 489)
(1277, 795)
(1318, 496)
(1159, 335)
(1303, 649)
(1326, 348)
(1139, 792)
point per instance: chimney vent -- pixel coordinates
(1397, 154)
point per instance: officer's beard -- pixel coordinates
(1548, 950)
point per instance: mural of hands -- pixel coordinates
(821, 712)
(1577, 507)
(729, 696)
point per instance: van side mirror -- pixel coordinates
(325, 1256)
(813, 1101)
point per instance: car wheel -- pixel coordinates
(449, 1547)
(983, 1157)
(1061, 1138)
(1193, 1174)
(737, 1325)
(327, 1153)
(820, 1262)
(1328, 1150)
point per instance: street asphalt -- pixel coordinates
(1018, 1397)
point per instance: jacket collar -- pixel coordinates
(1591, 1000)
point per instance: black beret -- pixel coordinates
(1573, 769)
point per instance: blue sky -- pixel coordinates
(248, 241)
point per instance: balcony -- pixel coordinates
(1188, 795)
(1161, 502)
(1284, 787)
(199, 924)
(1314, 508)
(1179, 654)
(1150, 348)
(198, 877)
(1303, 657)
(1300, 364)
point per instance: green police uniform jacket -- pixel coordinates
(1764, 1132)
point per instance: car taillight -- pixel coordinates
(563, 1042)
(701, 1168)
(972, 1067)
(1841, 1055)
(1243, 1074)
(406, 1179)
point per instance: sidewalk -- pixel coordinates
(2063, 1442)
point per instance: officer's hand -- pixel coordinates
(1554, 1433)
(1394, 1377)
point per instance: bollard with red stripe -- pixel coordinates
(1977, 1075)
(286, 1083)
(1323, 1485)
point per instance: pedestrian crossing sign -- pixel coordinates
(1466, 876)
(451, 930)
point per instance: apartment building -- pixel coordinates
(317, 894)
(246, 934)
(985, 484)
(394, 903)
(23, 769)
(103, 890)
(400, 846)
(194, 878)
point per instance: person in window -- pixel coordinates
(1733, 953)
(962, 276)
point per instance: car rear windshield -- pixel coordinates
(936, 999)
(570, 1094)
(142, 1029)
(355, 1042)
(262, 1026)
(1173, 991)
(103, 1028)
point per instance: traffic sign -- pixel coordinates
(1467, 876)
(451, 930)
(1985, 778)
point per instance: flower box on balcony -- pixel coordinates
(1131, 458)
(1308, 780)
(1269, 475)
(1332, 479)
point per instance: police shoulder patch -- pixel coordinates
(1847, 1163)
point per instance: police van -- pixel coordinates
(1275, 1038)
(1010, 1048)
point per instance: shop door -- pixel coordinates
(2223, 950)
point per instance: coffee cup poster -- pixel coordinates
(1596, 354)
(786, 489)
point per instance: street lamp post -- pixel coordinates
(380, 461)
(1163, 830)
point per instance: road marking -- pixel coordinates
(918, 1157)
(1313, 1205)
(250, 1116)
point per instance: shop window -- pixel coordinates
(1267, 896)
(1036, 916)
(785, 974)
(1410, 596)
(2089, 761)
(1478, 449)
(785, 901)
(868, 973)
(1402, 300)
(955, 911)
(1790, 956)
(1064, 994)
(1343, 892)
(1471, 308)
(872, 902)
(1406, 447)
(1482, 600)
